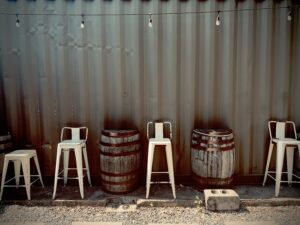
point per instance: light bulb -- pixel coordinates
(17, 21)
(289, 17)
(82, 22)
(150, 21)
(218, 21)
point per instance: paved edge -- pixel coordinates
(149, 202)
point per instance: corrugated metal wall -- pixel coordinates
(118, 73)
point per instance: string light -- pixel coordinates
(82, 22)
(218, 21)
(17, 21)
(289, 17)
(150, 20)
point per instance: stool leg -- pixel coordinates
(170, 167)
(78, 156)
(17, 167)
(66, 165)
(37, 165)
(56, 170)
(26, 173)
(268, 162)
(86, 162)
(5, 164)
(279, 163)
(149, 167)
(290, 160)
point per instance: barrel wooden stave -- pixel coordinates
(120, 159)
(212, 158)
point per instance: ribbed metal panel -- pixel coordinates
(117, 73)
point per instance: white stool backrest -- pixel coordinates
(159, 129)
(280, 129)
(75, 133)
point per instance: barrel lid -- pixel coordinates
(119, 133)
(213, 132)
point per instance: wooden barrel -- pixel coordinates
(212, 158)
(5, 142)
(5, 146)
(120, 158)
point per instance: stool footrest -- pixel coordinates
(71, 178)
(23, 185)
(13, 178)
(284, 181)
(161, 172)
(160, 182)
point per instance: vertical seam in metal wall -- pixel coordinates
(253, 86)
(235, 51)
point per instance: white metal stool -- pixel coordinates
(160, 140)
(79, 147)
(21, 157)
(284, 144)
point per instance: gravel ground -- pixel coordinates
(130, 215)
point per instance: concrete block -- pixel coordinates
(221, 199)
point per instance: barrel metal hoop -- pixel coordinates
(128, 133)
(120, 154)
(213, 134)
(228, 141)
(5, 138)
(120, 144)
(211, 181)
(137, 171)
(227, 148)
(130, 182)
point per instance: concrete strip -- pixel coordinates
(152, 202)
(251, 223)
(172, 224)
(121, 208)
(30, 223)
(167, 203)
(97, 223)
(271, 202)
(46, 202)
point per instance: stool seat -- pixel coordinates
(21, 154)
(71, 142)
(21, 157)
(160, 141)
(289, 141)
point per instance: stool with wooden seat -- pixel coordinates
(284, 145)
(78, 145)
(159, 139)
(21, 157)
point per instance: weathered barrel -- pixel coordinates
(5, 146)
(120, 160)
(212, 158)
(5, 142)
